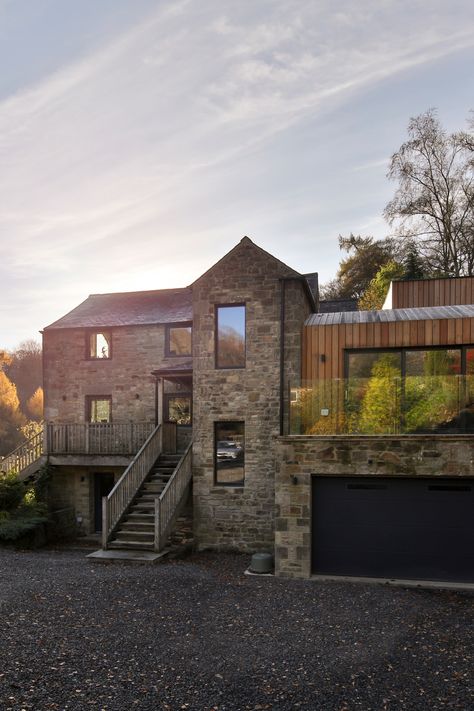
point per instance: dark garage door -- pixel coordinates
(410, 528)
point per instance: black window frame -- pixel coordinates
(216, 335)
(90, 333)
(402, 351)
(169, 326)
(235, 485)
(168, 396)
(89, 400)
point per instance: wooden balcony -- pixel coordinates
(123, 438)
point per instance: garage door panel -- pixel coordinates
(407, 528)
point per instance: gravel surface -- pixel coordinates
(199, 635)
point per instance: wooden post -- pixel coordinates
(157, 541)
(86, 443)
(105, 524)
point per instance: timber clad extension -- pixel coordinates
(331, 437)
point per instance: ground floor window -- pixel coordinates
(229, 453)
(99, 408)
(178, 408)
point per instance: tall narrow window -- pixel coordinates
(99, 408)
(178, 340)
(230, 336)
(99, 345)
(229, 453)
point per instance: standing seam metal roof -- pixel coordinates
(426, 313)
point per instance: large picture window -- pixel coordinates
(230, 336)
(179, 340)
(411, 390)
(229, 453)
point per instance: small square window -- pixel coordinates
(179, 340)
(230, 336)
(178, 408)
(229, 453)
(99, 408)
(99, 345)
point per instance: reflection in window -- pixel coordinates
(230, 336)
(374, 392)
(178, 341)
(99, 409)
(229, 453)
(99, 345)
(178, 409)
(439, 361)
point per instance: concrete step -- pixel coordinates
(137, 525)
(127, 556)
(148, 518)
(135, 536)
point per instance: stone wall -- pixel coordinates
(300, 458)
(69, 377)
(240, 517)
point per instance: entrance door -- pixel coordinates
(394, 528)
(103, 485)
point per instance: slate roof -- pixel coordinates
(426, 313)
(136, 308)
(336, 305)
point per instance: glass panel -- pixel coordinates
(100, 410)
(179, 409)
(229, 453)
(230, 337)
(179, 341)
(99, 345)
(434, 361)
(373, 394)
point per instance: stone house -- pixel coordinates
(339, 440)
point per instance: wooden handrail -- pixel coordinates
(97, 437)
(166, 505)
(116, 503)
(24, 455)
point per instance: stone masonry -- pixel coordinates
(299, 458)
(241, 517)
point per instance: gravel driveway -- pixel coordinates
(199, 635)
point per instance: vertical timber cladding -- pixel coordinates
(241, 517)
(332, 340)
(394, 528)
(432, 292)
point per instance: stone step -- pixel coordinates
(130, 545)
(146, 518)
(127, 556)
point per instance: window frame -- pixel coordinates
(95, 332)
(89, 400)
(179, 324)
(234, 485)
(168, 396)
(216, 335)
(463, 348)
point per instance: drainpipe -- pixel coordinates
(282, 351)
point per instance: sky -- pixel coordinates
(140, 140)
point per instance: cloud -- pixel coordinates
(146, 147)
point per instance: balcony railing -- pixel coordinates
(97, 437)
(436, 404)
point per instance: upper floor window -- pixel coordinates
(230, 336)
(179, 340)
(99, 345)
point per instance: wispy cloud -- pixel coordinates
(142, 151)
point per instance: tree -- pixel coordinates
(34, 405)
(11, 418)
(434, 200)
(375, 294)
(355, 272)
(25, 370)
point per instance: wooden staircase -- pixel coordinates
(137, 529)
